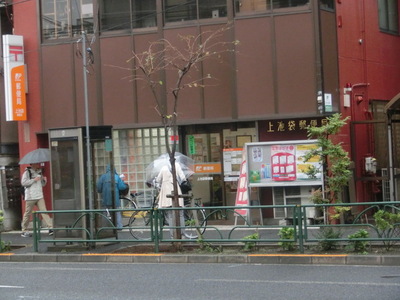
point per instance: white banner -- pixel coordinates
(14, 78)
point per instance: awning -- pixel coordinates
(394, 105)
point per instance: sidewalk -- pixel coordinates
(23, 252)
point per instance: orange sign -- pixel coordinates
(206, 168)
(18, 93)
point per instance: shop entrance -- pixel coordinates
(205, 149)
(215, 181)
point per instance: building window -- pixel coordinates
(246, 6)
(127, 14)
(115, 15)
(186, 10)
(288, 3)
(292, 195)
(327, 4)
(134, 150)
(388, 16)
(242, 6)
(66, 18)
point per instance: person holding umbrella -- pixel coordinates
(165, 180)
(34, 181)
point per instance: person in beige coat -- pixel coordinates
(33, 181)
(165, 181)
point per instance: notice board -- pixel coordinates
(281, 164)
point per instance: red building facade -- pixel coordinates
(368, 40)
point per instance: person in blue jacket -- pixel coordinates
(104, 188)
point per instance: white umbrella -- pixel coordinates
(36, 156)
(154, 168)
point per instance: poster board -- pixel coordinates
(281, 164)
(232, 162)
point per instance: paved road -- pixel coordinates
(196, 281)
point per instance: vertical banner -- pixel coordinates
(242, 194)
(14, 78)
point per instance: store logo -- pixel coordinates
(16, 53)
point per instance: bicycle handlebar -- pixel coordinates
(134, 195)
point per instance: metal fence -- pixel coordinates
(306, 228)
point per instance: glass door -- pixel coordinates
(206, 150)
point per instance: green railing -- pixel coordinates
(302, 219)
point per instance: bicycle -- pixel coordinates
(140, 221)
(130, 204)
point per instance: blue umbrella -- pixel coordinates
(36, 156)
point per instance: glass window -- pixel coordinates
(127, 14)
(115, 15)
(246, 6)
(288, 3)
(327, 4)
(212, 9)
(144, 13)
(180, 10)
(284, 196)
(66, 18)
(134, 150)
(388, 16)
(186, 10)
(243, 6)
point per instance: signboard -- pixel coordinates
(14, 78)
(207, 168)
(232, 162)
(282, 164)
(192, 145)
(242, 194)
(328, 102)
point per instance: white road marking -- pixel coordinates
(11, 287)
(302, 282)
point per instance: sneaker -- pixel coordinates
(26, 234)
(51, 232)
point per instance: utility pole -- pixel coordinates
(88, 150)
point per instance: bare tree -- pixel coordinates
(184, 62)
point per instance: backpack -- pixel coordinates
(124, 192)
(22, 188)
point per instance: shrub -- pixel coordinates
(286, 233)
(359, 246)
(3, 245)
(249, 245)
(387, 226)
(325, 235)
(1, 220)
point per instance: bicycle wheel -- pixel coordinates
(139, 225)
(128, 204)
(195, 223)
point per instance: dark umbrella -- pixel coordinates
(36, 156)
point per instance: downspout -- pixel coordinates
(390, 154)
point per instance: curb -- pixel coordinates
(267, 259)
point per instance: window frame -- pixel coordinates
(195, 12)
(132, 17)
(269, 8)
(388, 11)
(64, 11)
